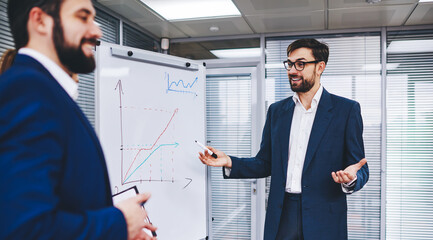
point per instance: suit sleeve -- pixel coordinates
(354, 150)
(31, 162)
(260, 165)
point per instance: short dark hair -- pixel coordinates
(18, 14)
(320, 50)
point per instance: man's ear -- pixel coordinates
(40, 22)
(320, 67)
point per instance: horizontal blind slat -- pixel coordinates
(409, 209)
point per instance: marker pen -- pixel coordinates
(148, 220)
(206, 149)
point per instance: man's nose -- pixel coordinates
(95, 31)
(292, 70)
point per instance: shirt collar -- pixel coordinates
(70, 86)
(316, 98)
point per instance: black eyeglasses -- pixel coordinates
(299, 65)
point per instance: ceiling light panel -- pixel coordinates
(176, 10)
(237, 53)
(410, 46)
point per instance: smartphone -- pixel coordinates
(128, 193)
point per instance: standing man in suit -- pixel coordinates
(53, 177)
(307, 140)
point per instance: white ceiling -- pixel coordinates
(271, 16)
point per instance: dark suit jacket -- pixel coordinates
(335, 143)
(53, 178)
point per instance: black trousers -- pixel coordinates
(290, 227)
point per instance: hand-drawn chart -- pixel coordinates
(137, 159)
(180, 86)
(148, 116)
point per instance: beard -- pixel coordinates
(303, 85)
(72, 57)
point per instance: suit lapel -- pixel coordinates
(320, 125)
(88, 126)
(97, 146)
(286, 124)
(31, 62)
(28, 61)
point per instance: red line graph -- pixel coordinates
(153, 145)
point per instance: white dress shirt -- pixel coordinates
(70, 86)
(302, 122)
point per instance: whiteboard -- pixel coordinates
(150, 109)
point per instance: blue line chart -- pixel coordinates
(179, 86)
(156, 149)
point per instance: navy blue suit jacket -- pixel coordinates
(53, 178)
(335, 143)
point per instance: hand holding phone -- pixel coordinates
(128, 201)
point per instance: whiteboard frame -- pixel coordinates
(158, 59)
(151, 57)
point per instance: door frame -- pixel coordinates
(253, 67)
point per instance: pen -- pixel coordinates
(205, 148)
(148, 220)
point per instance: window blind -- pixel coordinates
(409, 192)
(353, 71)
(109, 26)
(228, 104)
(86, 86)
(6, 40)
(134, 38)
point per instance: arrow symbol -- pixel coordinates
(190, 180)
(119, 85)
(162, 145)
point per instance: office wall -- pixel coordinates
(397, 201)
